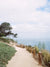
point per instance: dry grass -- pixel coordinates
(46, 56)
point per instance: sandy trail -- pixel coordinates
(22, 58)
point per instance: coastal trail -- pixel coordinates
(22, 58)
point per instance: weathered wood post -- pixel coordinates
(48, 64)
(34, 52)
(40, 57)
(21, 45)
(31, 49)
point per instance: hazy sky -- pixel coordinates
(29, 18)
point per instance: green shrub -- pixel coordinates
(28, 48)
(6, 52)
(7, 40)
(4, 39)
(46, 56)
(36, 49)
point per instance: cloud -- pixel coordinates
(19, 10)
(31, 30)
(24, 17)
(45, 7)
(22, 3)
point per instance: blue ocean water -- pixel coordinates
(33, 42)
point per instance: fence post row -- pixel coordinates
(34, 52)
(31, 50)
(40, 57)
(48, 64)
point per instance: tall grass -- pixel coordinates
(41, 47)
(46, 56)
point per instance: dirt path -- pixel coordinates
(22, 58)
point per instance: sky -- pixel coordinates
(29, 18)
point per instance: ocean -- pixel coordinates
(34, 42)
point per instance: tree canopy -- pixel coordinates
(6, 29)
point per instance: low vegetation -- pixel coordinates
(6, 53)
(7, 40)
(28, 48)
(41, 47)
(4, 39)
(21, 45)
(46, 56)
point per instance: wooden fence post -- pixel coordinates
(40, 57)
(34, 52)
(31, 49)
(48, 64)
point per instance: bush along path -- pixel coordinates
(6, 53)
(42, 56)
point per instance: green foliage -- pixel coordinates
(36, 48)
(41, 47)
(4, 39)
(11, 40)
(5, 30)
(7, 40)
(5, 26)
(46, 56)
(28, 48)
(6, 53)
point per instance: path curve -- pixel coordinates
(22, 58)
